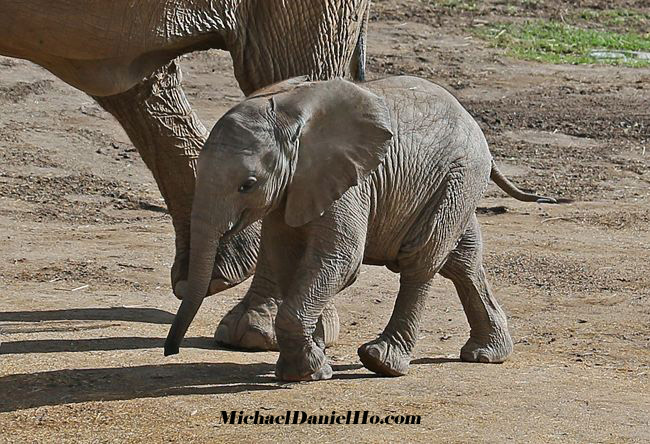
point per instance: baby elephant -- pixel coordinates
(387, 172)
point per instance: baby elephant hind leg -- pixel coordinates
(489, 340)
(423, 253)
(390, 353)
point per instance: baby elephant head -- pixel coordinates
(294, 147)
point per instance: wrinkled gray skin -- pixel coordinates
(106, 48)
(387, 173)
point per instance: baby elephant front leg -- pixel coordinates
(319, 276)
(311, 273)
(301, 359)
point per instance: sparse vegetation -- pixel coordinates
(556, 42)
(615, 17)
(459, 4)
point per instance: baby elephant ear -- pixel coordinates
(280, 87)
(344, 133)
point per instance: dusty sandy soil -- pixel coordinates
(78, 208)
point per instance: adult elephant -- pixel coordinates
(121, 52)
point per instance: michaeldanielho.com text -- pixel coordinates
(300, 417)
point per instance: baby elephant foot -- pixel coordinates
(384, 357)
(249, 328)
(308, 365)
(493, 350)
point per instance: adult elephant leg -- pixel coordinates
(169, 135)
(250, 325)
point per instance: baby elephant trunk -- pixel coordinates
(203, 247)
(182, 321)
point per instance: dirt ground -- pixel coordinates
(86, 247)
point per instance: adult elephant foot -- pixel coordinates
(492, 349)
(384, 357)
(250, 325)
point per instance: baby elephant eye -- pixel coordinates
(248, 185)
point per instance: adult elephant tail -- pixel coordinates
(513, 191)
(358, 62)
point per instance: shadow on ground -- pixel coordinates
(127, 314)
(99, 344)
(28, 390)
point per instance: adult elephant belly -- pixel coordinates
(102, 48)
(105, 77)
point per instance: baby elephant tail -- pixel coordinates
(510, 188)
